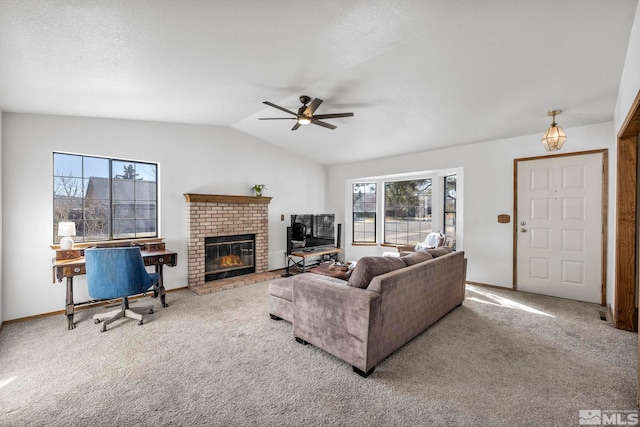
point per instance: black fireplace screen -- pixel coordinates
(229, 256)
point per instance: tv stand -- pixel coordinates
(306, 253)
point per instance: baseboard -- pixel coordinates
(488, 286)
(77, 309)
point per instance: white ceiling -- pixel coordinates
(417, 74)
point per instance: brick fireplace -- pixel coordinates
(214, 216)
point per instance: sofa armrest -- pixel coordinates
(341, 320)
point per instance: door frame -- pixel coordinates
(516, 162)
(624, 310)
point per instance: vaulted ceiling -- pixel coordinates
(417, 74)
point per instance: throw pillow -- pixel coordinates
(370, 267)
(442, 250)
(416, 258)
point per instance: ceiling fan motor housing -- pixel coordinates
(305, 99)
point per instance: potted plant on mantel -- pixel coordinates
(259, 188)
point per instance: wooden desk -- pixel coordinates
(304, 254)
(69, 268)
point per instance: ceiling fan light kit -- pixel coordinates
(554, 137)
(305, 114)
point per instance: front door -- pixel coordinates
(559, 226)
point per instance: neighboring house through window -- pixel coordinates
(106, 198)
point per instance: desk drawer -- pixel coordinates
(168, 259)
(71, 270)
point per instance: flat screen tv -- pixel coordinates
(310, 231)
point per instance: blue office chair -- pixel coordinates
(118, 273)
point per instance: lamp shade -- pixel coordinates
(66, 229)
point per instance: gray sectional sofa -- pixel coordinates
(385, 303)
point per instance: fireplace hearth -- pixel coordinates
(229, 256)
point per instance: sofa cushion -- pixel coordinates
(416, 257)
(370, 267)
(442, 250)
(282, 288)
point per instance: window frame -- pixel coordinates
(407, 234)
(142, 213)
(454, 212)
(366, 212)
(437, 208)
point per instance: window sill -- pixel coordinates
(123, 242)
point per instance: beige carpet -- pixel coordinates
(501, 359)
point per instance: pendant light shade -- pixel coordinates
(554, 137)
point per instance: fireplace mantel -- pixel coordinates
(216, 198)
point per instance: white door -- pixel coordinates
(559, 223)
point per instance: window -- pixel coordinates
(407, 215)
(107, 198)
(364, 212)
(450, 196)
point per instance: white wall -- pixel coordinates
(192, 159)
(1, 240)
(487, 191)
(630, 79)
(627, 92)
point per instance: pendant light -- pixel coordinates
(554, 137)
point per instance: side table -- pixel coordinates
(324, 270)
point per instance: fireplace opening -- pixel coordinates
(229, 256)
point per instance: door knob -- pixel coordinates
(523, 230)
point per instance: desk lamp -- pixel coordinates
(66, 230)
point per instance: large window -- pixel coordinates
(106, 198)
(450, 197)
(364, 212)
(407, 212)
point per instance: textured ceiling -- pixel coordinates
(418, 74)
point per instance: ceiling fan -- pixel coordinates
(305, 115)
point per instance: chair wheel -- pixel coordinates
(103, 329)
(140, 322)
(96, 321)
(151, 311)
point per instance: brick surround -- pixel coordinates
(211, 215)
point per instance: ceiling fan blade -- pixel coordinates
(323, 124)
(312, 107)
(271, 104)
(296, 126)
(277, 118)
(332, 116)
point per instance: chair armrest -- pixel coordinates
(342, 320)
(406, 248)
